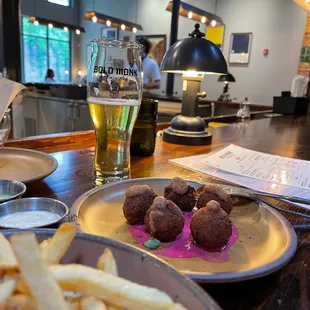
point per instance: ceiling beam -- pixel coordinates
(303, 4)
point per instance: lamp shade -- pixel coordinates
(194, 54)
(226, 78)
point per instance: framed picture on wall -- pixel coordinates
(216, 35)
(240, 48)
(109, 33)
(158, 46)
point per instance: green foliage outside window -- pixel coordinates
(45, 48)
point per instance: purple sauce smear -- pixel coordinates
(183, 246)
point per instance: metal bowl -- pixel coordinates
(135, 265)
(35, 204)
(14, 189)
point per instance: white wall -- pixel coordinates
(154, 18)
(278, 25)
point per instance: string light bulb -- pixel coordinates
(77, 31)
(134, 29)
(123, 27)
(190, 14)
(66, 29)
(94, 19)
(108, 22)
(203, 19)
(213, 23)
(36, 23)
(50, 26)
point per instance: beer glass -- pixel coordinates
(114, 92)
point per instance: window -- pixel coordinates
(60, 2)
(45, 48)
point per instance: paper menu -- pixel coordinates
(262, 166)
(199, 163)
(8, 91)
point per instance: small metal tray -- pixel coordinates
(35, 204)
(13, 189)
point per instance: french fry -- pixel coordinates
(6, 289)
(7, 258)
(72, 305)
(69, 295)
(21, 287)
(76, 305)
(44, 243)
(107, 263)
(115, 290)
(92, 303)
(113, 307)
(54, 250)
(20, 302)
(176, 307)
(36, 273)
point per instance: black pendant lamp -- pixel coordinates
(193, 58)
(226, 79)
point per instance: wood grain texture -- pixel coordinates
(289, 288)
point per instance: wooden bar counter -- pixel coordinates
(289, 136)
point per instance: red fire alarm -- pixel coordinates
(266, 52)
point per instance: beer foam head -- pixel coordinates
(116, 102)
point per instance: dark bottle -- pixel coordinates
(144, 132)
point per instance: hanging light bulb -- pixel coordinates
(108, 22)
(134, 29)
(123, 27)
(50, 26)
(94, 19)
(190, 14)
(36, 23)
(80, 72)
(203, 19)
(66, 29)
(213, 23)
(77, 31)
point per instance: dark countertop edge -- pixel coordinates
(86, 138)
(219, 116)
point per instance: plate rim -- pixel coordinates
(54, 163)
(196, 290)
(221, 277)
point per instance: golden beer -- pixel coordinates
(113, 121)
(114, 92)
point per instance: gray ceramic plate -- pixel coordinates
(134, 265)
(24, 165)
(266, 239)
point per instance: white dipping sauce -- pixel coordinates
(28, 219)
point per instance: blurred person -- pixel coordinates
(50, 76)
(151, 72)
(131, 60)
